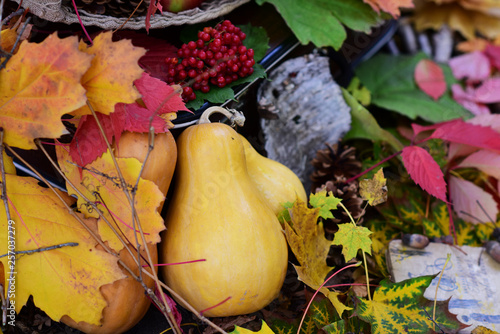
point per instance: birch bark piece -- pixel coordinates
(304, 109)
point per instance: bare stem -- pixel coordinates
(9, 218)
(43, 249)
(135, 220)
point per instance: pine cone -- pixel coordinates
(117, 8)
(332, 162)
(348, 193)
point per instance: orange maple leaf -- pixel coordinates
(111, 77)
(63, 280)
(389, 6)
(40, 83)
(99, 183)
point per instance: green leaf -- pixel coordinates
(320, 21)
(359, 92)
(364, 125)
(256, 39)
(335, 327)
(439, 223)
(391, 83)
(280, 326)
(221, 95)
(284, 215)
(322, 312)
(324, 203)
(308, 326)
(352, 238)
(399, 308)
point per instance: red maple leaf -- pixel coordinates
(159, 98)
(424, 171)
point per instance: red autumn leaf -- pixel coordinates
(424, 171)
(471, 202)
(430, 78)
(153, 62)
(153, 6)
(474, 66)
(88, 143)
(156, 94)
(417, 128)
(389, 6)
(493, 53)
(469, 134)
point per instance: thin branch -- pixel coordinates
(9, 218)
(43, 249)
(11, 15)
(135, 219)
(10, 54)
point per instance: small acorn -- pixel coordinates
(415, 240)
(493, 248)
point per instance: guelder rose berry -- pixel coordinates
(218, 57)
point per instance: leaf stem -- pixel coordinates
(318, 289)
(448, 257)
(364, 256)
(9, 218)
(167, 312)
(373, 167)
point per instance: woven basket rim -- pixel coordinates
(52, 10)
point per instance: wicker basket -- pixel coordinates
(55, 11)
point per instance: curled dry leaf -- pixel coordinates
(100, 183)
(64, 280)
(32, 95)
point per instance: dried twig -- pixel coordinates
(18, 38)
(42, 249)
(9, 218)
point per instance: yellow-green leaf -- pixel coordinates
(402, 308)
(335, 327)
(374, 190)
(264, 330)
(352, 238)
(326, 202)
(307, 241)
(322, 312)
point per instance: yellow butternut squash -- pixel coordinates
(275, 181)
(218, 215)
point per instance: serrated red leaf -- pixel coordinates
(159, 98)
(417, 128)
(424, 171)
(469, 134)
(430, 78)
(156, 94)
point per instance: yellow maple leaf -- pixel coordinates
(40, 83)
(466, 16)
(374, 190)
(307, 241)
(389, 6)
(263, 330)
(110, 78)
(99, 182)
(64, 280)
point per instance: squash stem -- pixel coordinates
(234, 116)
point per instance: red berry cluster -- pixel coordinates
(218, 57)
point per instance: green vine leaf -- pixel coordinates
(326, 202)
(352, 238)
